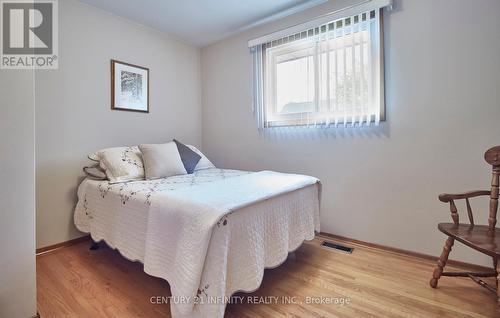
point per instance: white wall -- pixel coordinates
(73, 115)
(381, 184)
(17, 195)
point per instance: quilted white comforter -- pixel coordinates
(209, 234)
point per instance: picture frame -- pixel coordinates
(129, 87)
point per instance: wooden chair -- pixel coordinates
(483, 238)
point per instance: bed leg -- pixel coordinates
(94, 246)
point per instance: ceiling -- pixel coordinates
(202, 22)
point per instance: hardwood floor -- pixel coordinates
(76, 282)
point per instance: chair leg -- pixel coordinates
(441, 263)
(497, 263)
(495, 267)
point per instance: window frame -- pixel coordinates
(271, 85)
(296, 119)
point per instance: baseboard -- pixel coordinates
(51, 248)
(473, 267)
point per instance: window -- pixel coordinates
(328, 75)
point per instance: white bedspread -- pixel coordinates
(209, 237)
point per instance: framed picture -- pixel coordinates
(129, 87)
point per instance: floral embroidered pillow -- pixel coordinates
(121, 164)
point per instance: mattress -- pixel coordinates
(257, 236)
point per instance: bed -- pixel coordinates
(208, 234)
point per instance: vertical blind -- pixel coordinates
(326, 76)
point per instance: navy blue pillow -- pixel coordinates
(189, 158)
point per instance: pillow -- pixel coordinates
(95, 172)
(162, 160)
(189, 157)
(94, 156)
(121, 164)
(204, 163)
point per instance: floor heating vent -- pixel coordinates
(338, 247)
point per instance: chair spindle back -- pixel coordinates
(492, 156)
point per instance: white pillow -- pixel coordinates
(204, 163)
(162, 160)
(121, 164)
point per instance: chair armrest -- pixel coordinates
(445, 197)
